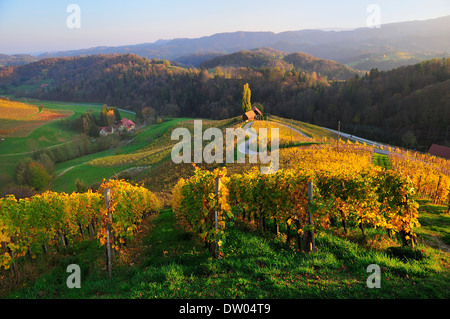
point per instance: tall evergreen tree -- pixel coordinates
(117, 114)
(246, 98)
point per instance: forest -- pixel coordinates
(406, 106)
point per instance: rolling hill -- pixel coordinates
(16, 59)
(387, 106)
(271, 58)
(392, 45)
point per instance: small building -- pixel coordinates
(440, 151)
(257, 112)
(126, 125)
(249, 116)
(106, 130)
(253, 114)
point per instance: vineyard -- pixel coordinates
(287, 136)
(229, 231)
(430, 175)
(19, 119)
(373, 198)
(33, 225)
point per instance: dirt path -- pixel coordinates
(67, 169)
(437, 243)
(31, 152)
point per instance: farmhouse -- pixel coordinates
(106, 130)
(439, 150)
(126, 125)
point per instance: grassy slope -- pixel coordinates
(167, 262)
(79, 167)
(47, 135)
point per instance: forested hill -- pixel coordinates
(271, 58)
(134, 83)
(408, 106)
(392, 45)
(16, 59)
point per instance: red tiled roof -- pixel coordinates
(127, 123)
(254, 109)
(439, 150)
(250, 115)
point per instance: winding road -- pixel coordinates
(378, 147)
(244, 147)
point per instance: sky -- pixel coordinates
(30, 26)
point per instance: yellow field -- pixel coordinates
(10, 110)
(19, 119)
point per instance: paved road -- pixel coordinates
(244, 147)
(377, 145)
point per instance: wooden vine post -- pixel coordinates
(11, 253)
(108, 231)
(309, 243)
(339, 134)
(216, 248)
(437, 190)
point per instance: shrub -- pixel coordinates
(39, 176)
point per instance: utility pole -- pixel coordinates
(339, 133)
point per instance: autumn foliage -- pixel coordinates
(31, 225)
(368, 197)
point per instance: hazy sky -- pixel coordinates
(28, 26)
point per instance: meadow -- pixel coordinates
(34, 131)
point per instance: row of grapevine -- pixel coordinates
(30, 225)
(372, 197)
(430, 175)
(200, 206)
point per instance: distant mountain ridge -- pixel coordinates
(389, 46)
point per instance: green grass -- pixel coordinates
(86, 173)
(52, 133)
(381, 160)
(80, 169)
(47, 135)
(435, 224)
(12, 150)
(168, 262)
